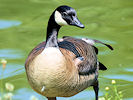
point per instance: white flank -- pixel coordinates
(89, 41)
(59, 20)
(60, 40)
(43, 88)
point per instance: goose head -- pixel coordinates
(65, 15)
(62, 15)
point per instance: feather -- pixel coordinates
(101, 66)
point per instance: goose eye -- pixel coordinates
(73, 14)
(64, 14)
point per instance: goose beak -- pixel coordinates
(76, 22)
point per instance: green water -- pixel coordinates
(107, 20)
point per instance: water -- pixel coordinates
(12, 69)
(7, 23)
(130, 69)
(108, 21)
(11, 54)
(27, 94)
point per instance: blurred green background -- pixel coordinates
(23, 25)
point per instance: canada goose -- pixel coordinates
(65, 68)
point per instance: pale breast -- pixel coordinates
(47, 68)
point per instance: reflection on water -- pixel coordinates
(44, 1)
(120, 77)
(11, 54)
(129, 69)
(28, 93)
(104, 52)
(129, 99)
(8, 23)
(12, 70)
(84, 95)
(124, 76)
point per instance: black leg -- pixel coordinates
(51, 98)
(96, 89)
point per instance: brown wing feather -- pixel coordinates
(36, 51)
(89, 65)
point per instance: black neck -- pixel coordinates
(52, 32)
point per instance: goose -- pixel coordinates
(63, 68)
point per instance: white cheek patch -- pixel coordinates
(59, 20)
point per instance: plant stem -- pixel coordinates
(106, 95)
(2, 75)
(116, 92)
